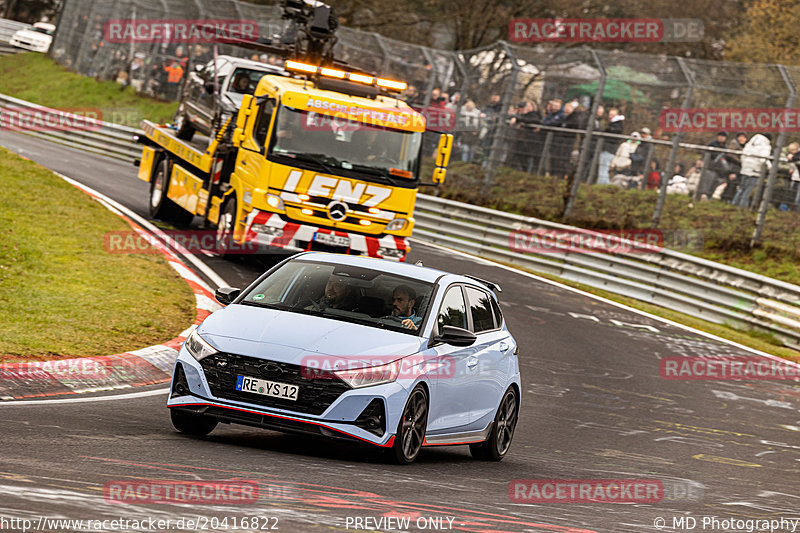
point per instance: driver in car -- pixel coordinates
(403, 300)
(338, 295)
(241, 83)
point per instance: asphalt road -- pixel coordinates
(594, 406)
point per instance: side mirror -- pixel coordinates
(442, 158)
(456, 336)
(226, 295)
(209, 87)
(443, 150)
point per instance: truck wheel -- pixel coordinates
(162, 207)
(184, 127)
(225, 229)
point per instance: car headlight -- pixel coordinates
(369, 376)
(197, 347)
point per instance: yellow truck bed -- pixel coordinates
(193, 153)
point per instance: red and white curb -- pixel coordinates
(147, 366)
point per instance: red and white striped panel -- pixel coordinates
(299, 236)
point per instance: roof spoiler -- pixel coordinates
(493, 286)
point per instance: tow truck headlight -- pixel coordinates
(396, 224)
(373, 375)
(275, 202)
(197, 347)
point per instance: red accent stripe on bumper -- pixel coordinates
(387, 445)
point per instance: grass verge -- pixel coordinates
(37, 78)
(61, 293)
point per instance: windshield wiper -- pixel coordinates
(264, 305)
(318, 159)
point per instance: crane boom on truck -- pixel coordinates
(324, 158)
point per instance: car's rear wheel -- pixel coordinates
(505, 422)
(162, 207)
(184, 127)
(411, 429)
(192, 424)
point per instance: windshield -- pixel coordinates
(351, 294)
(339, 143)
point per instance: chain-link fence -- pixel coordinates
(584, 116)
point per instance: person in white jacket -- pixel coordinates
(755, 154)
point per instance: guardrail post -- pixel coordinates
(776, 157)
(587, 142)
(673, 151)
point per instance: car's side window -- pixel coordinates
(261, 128)
(453, 311)
(480, 308)
(498, 315)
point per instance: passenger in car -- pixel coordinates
(404, 298)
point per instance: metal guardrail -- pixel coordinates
(670, 279)
(678, 281)
(9, 27)
(105, 138)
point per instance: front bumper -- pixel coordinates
(270, 230)
(339, 420)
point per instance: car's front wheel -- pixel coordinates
(411, 429)
(192, 424)
(505, 422)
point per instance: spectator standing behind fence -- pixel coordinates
(677, 183)
(526, 146)
(755, 156)
(718, 168)
(693, 176)
(469, 121)
(793, 155)
(654, 175)
(563, 141)
(616, 124)
(621, 164)
(731, 182)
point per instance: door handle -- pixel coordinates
(504, 347)
(472, 363)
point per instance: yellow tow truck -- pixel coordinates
(326, 157)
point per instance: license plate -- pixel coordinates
(267, 388)
(332, 240)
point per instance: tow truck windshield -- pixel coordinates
(333, 143)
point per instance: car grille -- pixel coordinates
(318, 389)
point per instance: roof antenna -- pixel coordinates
(419, 263)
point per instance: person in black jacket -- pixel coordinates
(616, 125)
(526, 148)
